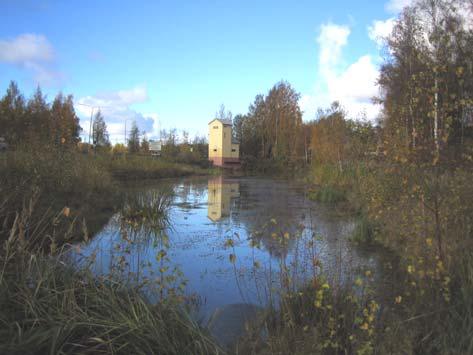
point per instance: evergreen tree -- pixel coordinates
(38, 119)
(100, 133)
(12, 115)
(144, 144)
(134, 139)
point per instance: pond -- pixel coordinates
(235, 241)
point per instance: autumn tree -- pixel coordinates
(426, 83)
(427, 92)
(330, 136)
(64, 126)
(272, 127)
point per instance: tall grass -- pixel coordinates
(333, 185)
(56, 171)
(136, 167)
(47, 306)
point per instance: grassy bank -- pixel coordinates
(70, 178)
(87, 185)
(137, 167)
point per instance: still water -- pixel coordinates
(229, 237)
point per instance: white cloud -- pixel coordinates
(379, 30)
(26, 48)
(353, 86)
(331, 40)
(117, 111)
(357, 84)
(31, 52)
(156, 131)
(395, 6)
(466, 11)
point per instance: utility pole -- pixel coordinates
(126, 120)
(91, 116)
(90, 125)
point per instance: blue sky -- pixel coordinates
(170, 64)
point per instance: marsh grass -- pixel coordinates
(136, 167)
(365, 232)
(328, 194)
(147, 210)
(333, 185)
(50, 308)
(62, 172)
(47, 306)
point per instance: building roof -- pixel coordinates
(224, 122)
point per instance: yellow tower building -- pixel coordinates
(222, 150)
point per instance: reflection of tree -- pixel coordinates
(189, 194)
(268, 210)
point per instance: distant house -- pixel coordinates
(223, 151)
(155, 147)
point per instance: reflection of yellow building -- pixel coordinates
(220, 196)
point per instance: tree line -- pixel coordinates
(273, 131)
(36, 122)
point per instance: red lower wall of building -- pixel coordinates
(221, 161)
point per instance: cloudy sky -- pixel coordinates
(170, 64)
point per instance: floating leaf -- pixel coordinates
(66, 211)
(229, 243)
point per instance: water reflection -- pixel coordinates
(234, 240)
(220, 195)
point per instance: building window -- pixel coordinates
(215, 127)
(233, 150)
(215, 150)
(224, 135)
